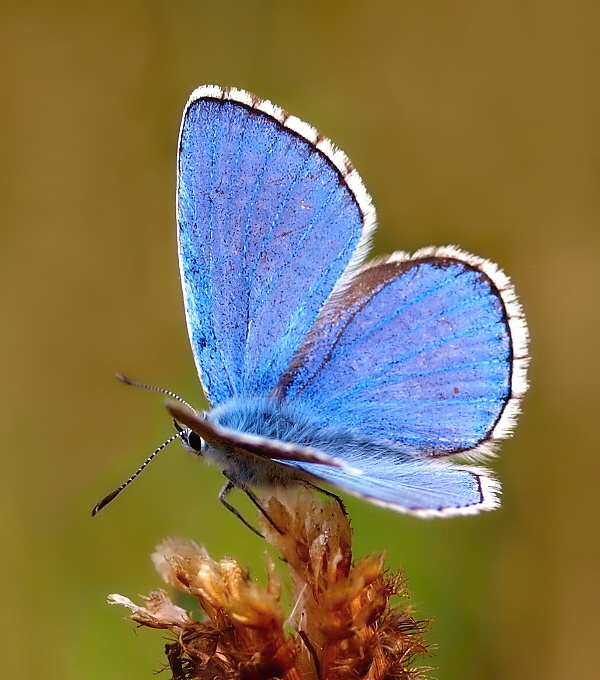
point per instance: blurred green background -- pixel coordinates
(472, 123)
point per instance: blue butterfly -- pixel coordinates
(317, 366)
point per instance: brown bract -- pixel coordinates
(342, 626)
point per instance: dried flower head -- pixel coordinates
(342, 625)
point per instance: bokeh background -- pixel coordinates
(472, 123)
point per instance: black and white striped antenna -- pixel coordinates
(128, 381)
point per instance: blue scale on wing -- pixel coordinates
(254, 202)
(416, 352)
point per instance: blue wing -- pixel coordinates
(422, 488)
(428, 352)
(271, 217)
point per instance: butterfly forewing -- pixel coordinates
(416, 351)
(267, 227)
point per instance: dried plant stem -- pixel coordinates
(342, 626)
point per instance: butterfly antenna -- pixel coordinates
(135, 383)
(111, 496)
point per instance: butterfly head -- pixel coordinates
(192, 441)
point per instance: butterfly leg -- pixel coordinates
(335, 497)
(223, 494)
(264, 513)
(311, 650)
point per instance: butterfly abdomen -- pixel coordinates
(277, 421)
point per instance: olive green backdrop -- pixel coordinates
(472, 123)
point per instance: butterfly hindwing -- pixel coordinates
(271, 217)
(422, 488)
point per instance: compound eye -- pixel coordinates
(194, 441)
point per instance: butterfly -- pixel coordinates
(317, 365)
